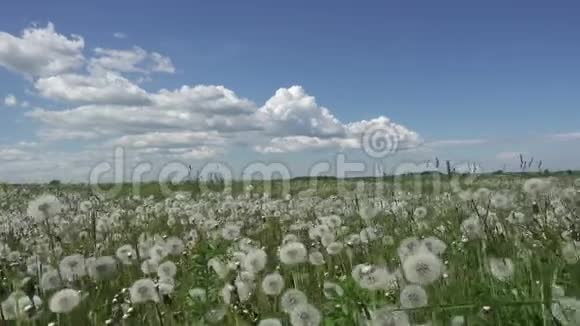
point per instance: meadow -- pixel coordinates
(415, 250)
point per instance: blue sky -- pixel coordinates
(467, 82)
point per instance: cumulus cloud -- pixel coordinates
(101, 105)
(10, 100)
(136, 60)
(41, 51)
(102, 87)
(120, 35)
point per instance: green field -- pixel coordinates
(426, 249)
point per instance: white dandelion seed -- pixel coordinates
(273, 284)
(423, 268)
(293, 253)
(167, 270)
(50, 280)
(501, 268)
(292, 298)
(305, 315)
(72, 267)
(413, 296)
(174, 246)
(143, 290)
(126, 254)
(316, 258)
(64, 301)
(44, 207)
(102, 268)
(270, 322)
(255, 260)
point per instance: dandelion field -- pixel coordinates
(497, 250)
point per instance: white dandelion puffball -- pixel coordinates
(72, 267)
(332, 290)
(273, 284)
(102, 268)
(501, 268)
(292, 298)
(149, 266)
(293, 253)
(50, 280)
(270, 322)
(423, 268)
(44, 207)
(316, 258)
(413, 296)
(255, 260)
(198, 294)
(387, 316)
(174, 246)
(571, 252)
(64, 301)
(143, 290)
(334, 248)
(434, 245)
(167, 270)
(305, 315)
(126, 254)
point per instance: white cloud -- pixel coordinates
(135, 60)
(120, 35)
(293, 112)
(100, 105)
(456, 142)
(510, 156)
(102, 87)
(10, 100)
(41, 51)
(162, 63)
(569, 136)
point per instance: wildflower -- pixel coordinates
(102, 268)
(408, 247)
(50, 280)
(293, 253)
(434, 245)
(270, 322)
(198, 294)
(458, 321)
(291, 299)
(571, 252)
(305, 315)
(143, 290)
(567, 311)
(420, 213)
(413, 296)
(273, 284)
(334, 248)
(165, 285)
(149, 266)
(14, 307)
(174, 246)
(535, 186)
(158, 252)
(126, 254)
(332, 290)
(44, 207)
(231, 232)
(72, 267)
(423, 268)
(168, 270)
(387, 316)
(64, 301)
(373, 278)
(316, 258)
(219, 267)
(216, 315)
(501, 268)
(255, 260)
(472, 228)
